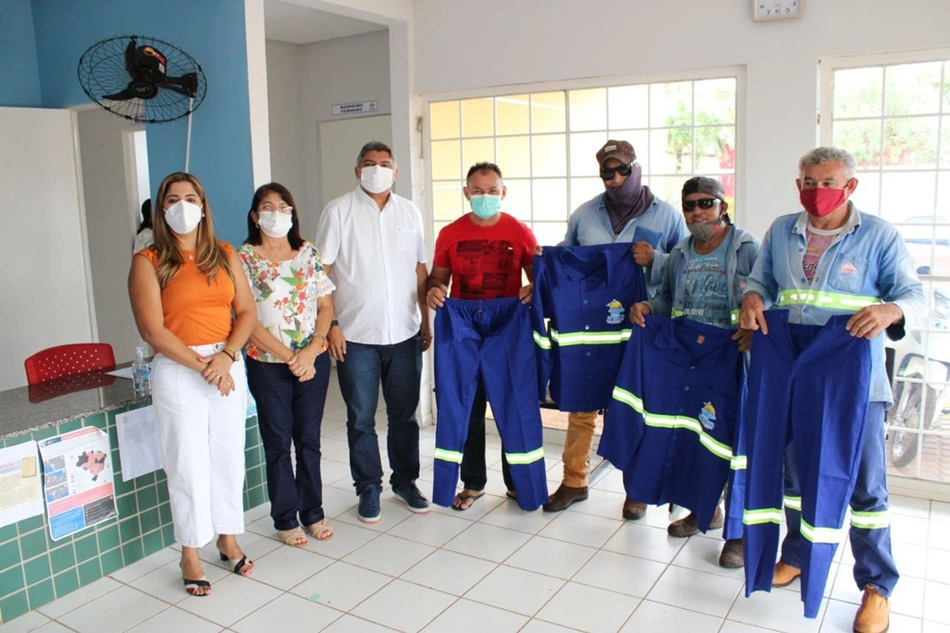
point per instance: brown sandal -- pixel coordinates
(293, 537)
(320, 530)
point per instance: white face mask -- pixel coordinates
(183, 216)
(275, 224)
(376, 179)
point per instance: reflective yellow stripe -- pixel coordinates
(525, 458)
(590, 338)
(822, 299)
(870, 520)
(763, 515)
(660, 420)
(795, 503)
(542, 341)
(448, 456)
(733, 316)
(739, 462)
(820, 534)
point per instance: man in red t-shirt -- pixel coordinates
(483, 253)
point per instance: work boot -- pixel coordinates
(563, 497)
(633, 510)
(784, 574)
(687, 526)
(874, 613)
(731, 556)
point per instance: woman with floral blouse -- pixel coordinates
(288, 369)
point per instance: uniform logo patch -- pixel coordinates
(848, 268)
(707, 416)
(614, 312)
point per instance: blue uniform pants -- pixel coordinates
(489, 339)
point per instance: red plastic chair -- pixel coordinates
(68, 360)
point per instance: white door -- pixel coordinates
(44, 289)
(339, 143)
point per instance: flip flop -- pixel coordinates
(292, 537)
(461, 498)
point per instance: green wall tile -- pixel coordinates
(165, 513)
(42, 434)
(126, 505)
(256, 496)
(40, 594)
(9, 554)
(62, 558)
(152, 542)
(7, 532)
(98, 420)
(13, 606)
(28, 525)
(254, 477)
(68, 427)
(33, 544)
(160, 476)
(111, 561)
(129, 529)
(149, 520)
(145, 480)
(147, 496)
(12, 579)
(116, 460)
(168, 535)
(37, 569)
(90, 571)
(86, 547)
(162, 488)
(132, 551)
(66, 582)
(108, 538)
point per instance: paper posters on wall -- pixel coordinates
(21, 493)
(139, 442)
(77, 480)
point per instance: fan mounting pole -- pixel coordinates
(188, 137)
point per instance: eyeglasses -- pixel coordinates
(608, 173)
(269, 208)
(702, 203)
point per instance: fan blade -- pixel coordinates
(124, 95)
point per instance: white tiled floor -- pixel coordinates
(493, 568)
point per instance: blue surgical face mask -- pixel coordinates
(485, 206)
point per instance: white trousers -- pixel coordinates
(202, 434)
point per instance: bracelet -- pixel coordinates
(230, 354)
(334, 323)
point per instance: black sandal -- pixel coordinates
(236, 567)
(461, 498)
(192, 586)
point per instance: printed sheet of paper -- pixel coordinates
(21, 492)
(77, 480)
(139, 442)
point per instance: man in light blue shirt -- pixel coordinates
(833, 259)
(625, 207)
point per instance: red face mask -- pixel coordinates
(819, 202)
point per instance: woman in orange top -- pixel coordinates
(194, 307)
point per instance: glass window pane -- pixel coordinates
(446, 160)
(514, 156)
(438, 226)
(715, 150)
(668, 188)
(547, 112)
(478, 117)
(858, 91)
(867, 196)
(444, 119)
(512, 115)
(907, 194)
(549, 233)
(477, 151)
(627, 106)
(588, 109)
(583, 189)
(518, 199)
(946, 86)
(910, 142)
(715, 101)
(549, 155)
(640, 139)
(447, 200)
(671, 151)
(671, 104)
(921, 241)
(549, 199)
(584, 149)
(861, 138)
(912, 88)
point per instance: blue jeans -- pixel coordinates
(399, 368)
(288, 409)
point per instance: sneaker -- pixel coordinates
(413, 499)
(369, 511)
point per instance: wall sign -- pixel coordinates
(355, 107)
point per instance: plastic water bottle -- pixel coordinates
(141, 375)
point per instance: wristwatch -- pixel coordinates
(334, 323)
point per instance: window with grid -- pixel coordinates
(545, 144)
(893, 114)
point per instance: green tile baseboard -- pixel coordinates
(35, 570)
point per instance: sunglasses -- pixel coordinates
(608, 173)
(702, 203)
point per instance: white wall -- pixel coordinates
(286, 124)
(532, 41)
(44, 271)
(257, 91)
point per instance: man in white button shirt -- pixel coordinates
(374, 250)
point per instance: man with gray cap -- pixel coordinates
(703, 280)
(613, 216)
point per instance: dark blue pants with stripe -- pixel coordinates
(491, 339)
(808, 386)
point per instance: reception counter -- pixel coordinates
(34, 569)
